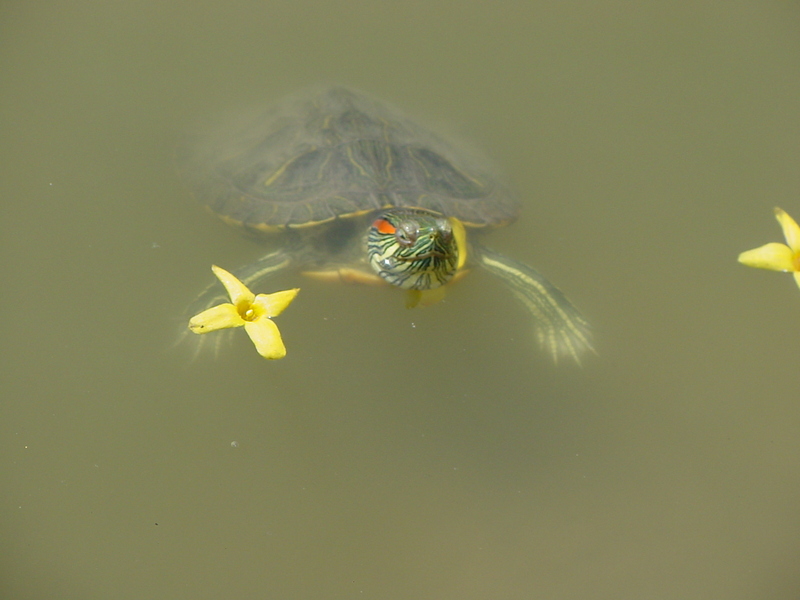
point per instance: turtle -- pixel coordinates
(352, 189)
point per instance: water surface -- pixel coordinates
(404, 454)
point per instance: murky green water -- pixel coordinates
(402, 454)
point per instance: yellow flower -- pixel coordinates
(246, 309)
(778, 257)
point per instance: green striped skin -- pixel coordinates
(413, 249)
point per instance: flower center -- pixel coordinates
(248, 313)
(796, 261)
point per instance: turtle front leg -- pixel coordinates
(345, 275)
(560, 327)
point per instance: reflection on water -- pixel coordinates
(395, 453)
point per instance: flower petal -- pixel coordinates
(238, 291)
(797, 278)
(790, 229)
(274, 304)
(266, 337)
(774, 256)
(217, 317)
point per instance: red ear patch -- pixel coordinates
(384, 226)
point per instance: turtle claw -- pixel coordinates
(199, 345)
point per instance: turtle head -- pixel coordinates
(416, 249)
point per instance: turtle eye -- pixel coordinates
(407, 234)
(445, 230)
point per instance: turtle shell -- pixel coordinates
(334, 153)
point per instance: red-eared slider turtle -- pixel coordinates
(356, 190)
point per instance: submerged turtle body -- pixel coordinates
(355, 189)
(333, 154)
